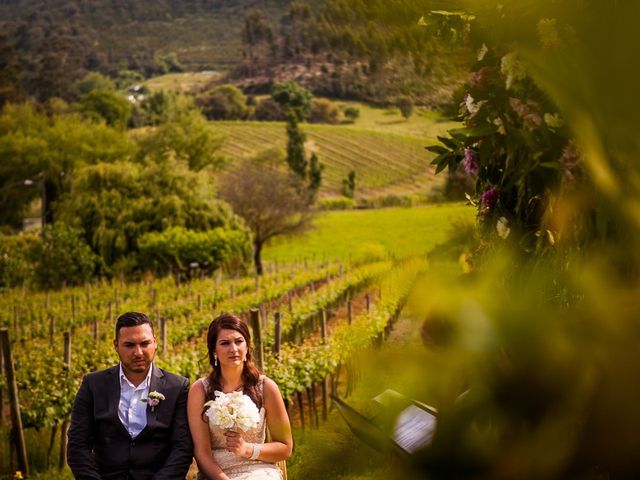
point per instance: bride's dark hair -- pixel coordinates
(250, 373)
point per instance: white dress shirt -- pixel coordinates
(132, 411)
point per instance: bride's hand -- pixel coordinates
(237, 445)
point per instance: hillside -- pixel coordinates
(386, 162)
(369, 51)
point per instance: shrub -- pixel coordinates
(268, 110)
(62, 257)
(405, 104)
(351, 114)
(394, 201)
(225, 102)
(324, 111)
(16, 268)
(177, 248)
(340, 203)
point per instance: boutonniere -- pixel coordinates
(153, 399)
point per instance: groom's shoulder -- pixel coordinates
(98, 374)
(173, 378)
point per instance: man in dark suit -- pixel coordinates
(129, 422)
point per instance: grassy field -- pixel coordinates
(399, 231)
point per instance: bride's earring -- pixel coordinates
(215, 360)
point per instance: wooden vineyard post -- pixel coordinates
(300, 408)
(163, 334)
(52, 328)
(254, 320)
(277, 335)
(368, 300)
(325, 398)
(96, 331)
(16, 322)
(350, 311)
(65, 424)
(200, 302)
(1, 388)
(16, 420)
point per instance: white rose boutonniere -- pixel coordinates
(232, 411)
(153, 399)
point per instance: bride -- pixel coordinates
(225, 454)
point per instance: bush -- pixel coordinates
(62, 257)
(405, 104)
(324, 111)
(225, 102)
(268, 110)
(394, 201)
(351, 114)
(341, 203)
(16, 268)
(177, 248)
(107, 105)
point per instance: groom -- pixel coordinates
(129, 422)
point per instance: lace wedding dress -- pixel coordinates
(236, 467)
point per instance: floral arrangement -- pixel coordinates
(232, 411)
(153, 400)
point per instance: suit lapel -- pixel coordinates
(156, 384)
(113, 395)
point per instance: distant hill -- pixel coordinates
(373, 50)
(57, 41)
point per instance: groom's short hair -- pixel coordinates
(132, 319)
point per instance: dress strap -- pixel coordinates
(207, 387)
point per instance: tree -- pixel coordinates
(116, 203)
(107, 105)
(296, 158)
(38, 155)
(188, 137)
(315, 174)
(292, 96)
(224, 102)
(257, 35)
(324, 111)
(405, 104)
(264, 194)
(10, 71)
(351, 113)
(349, 185)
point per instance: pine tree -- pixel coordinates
(296, 158)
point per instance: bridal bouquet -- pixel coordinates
(232, 411)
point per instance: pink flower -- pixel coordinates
(488, 199)
(470, 163)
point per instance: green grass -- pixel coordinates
(181, 82)
(423, 122)
(399, 231)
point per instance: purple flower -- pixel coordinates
(470, 163)
(488, 199)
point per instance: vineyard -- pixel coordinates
(311, 318)
(385, 163)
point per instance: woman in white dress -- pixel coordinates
(223, 454)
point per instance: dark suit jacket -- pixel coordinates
(99, 445)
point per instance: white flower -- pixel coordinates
(232, 411)
(482, 52)
(512, 68)
(502, 228)
(153, 399)
(471, 105)
(553, 120)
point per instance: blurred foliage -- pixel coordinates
(107, 105)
